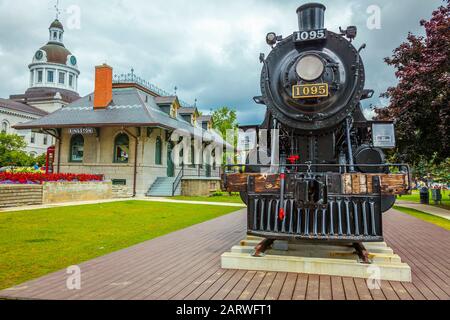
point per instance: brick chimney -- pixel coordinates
(103, 86)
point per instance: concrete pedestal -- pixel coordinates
(304, 257)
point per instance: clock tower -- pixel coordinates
(53, 74)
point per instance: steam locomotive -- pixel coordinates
(331, 182)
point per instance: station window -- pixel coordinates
(77, 148)
(158, 151)
(33, 137)
(39, 77)
(121, 148)
(5, 126)
(45, 139)
(50, 75)
(119, 182)
(70, 80)
(62, 77)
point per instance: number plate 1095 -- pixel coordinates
(315, 90)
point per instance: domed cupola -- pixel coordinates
(54, 66)
(56, 32)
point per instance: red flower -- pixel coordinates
(39, 178)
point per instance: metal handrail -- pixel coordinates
(178, 179)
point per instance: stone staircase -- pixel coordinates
(162, 187)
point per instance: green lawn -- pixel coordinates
(415, 197)
(441, 222)
(34, 243)
(222, 198)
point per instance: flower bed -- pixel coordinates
(40, 178)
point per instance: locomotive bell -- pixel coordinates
(311, 16)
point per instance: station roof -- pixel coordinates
(130, 107)
(21, 107)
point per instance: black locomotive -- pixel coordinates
(331, 182)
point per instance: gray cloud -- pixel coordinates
(208, 49)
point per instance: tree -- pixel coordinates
(420, 102)
(225, 119)
(11, 151)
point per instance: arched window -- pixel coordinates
(76, 148)
(158, 151)
(5, 126)
(121, 148)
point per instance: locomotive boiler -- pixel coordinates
(327, 179)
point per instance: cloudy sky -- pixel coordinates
(209, 49)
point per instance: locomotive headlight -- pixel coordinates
(271, 38)
(310, 67)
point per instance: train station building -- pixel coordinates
(130, 131)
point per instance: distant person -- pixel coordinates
(36, 166)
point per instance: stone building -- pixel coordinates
(130, 131)
(53, 84)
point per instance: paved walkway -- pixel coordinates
(80, 203)
(436, 211)
(186, 265)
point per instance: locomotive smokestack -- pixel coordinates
(311, 16)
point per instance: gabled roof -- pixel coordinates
(205, 119)
(129, 107)
(187, 110)
(165, 100)
(21, 107)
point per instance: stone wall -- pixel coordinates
(54, 192)
(16, 195)
(121, 192)
(191, 187)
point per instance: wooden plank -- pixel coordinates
(205, 285)
(350, 290)
(363, 290)
(252, 286)
(277, 285)
(236, 182)
(312, 292)
(325, 288)
(223, 292)
(264, 286)
(377, 294)
(347, 184)
(337, 288)
(400, 290)
(388, 291)
(240, 286)
(217, 285)
(288, 288)
(300, 287)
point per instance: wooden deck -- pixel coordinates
(186, 265)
